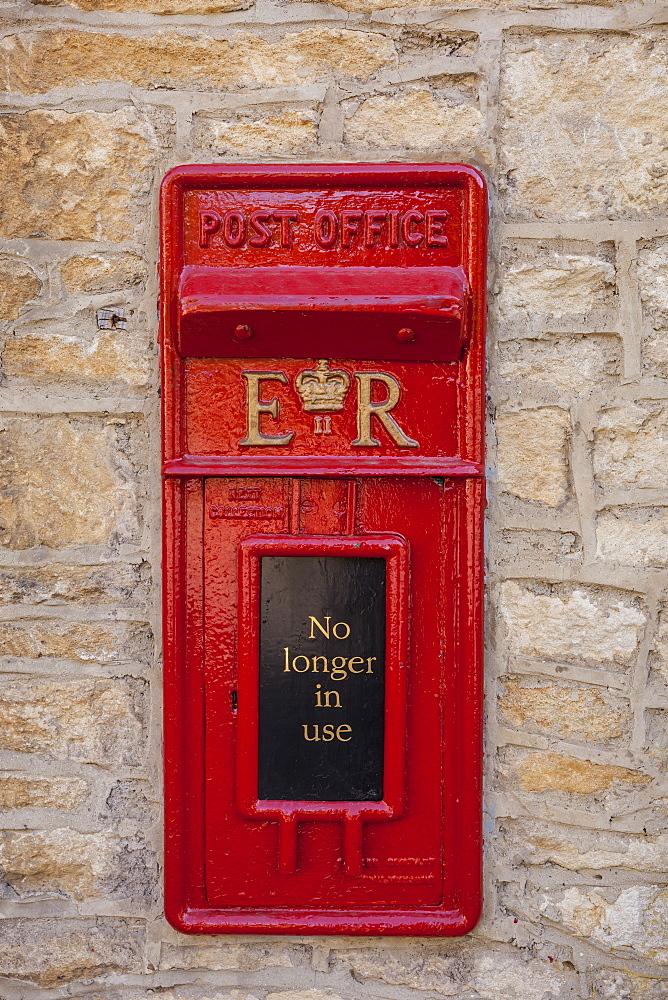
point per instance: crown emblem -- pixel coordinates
(322, 390)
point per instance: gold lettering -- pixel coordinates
(355, 659)
(343, 729)
(301, 670)
(325, 631)
(325, 669)
(311, 739)
(286, 669)
(368, 660)
(345, 635)
(256, 406)
(327, 734)
(366, 409)
(338, 672)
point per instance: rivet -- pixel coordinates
(405, 335)
(243, 332)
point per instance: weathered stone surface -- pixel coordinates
(570, 364)
(572, 711)
(62, 583)
(634, 536)
(532, 458)
(656, 741)
(513, 545)
(540, 771)
(542, 281)
(414, 120)
(69, 480)
(18, 285)
(109, 358)
(652, 270)
(286, 131)
(51, 952)
(34, 63)
(134, 802)
(219, 955)
(628, 985)
(584, 125)
(630, 446)
(98, 273)
(99, 642)
(95, 720)
(83, 176)
(581, 625)
(660, 657)
(25, 791)
(156, 6)
(62, 860)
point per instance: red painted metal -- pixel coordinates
(265, 271)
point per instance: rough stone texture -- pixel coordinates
(630, 446)
(532, 459)
(83, 176)
(576, 625)
(574, 712)
(35, 63)
(63, 583)
(18, 285)
(584, 126)
(564, 105)
(415, 120)
(99, 273)
(54, 951)
(290, 131)
(22, 791)
(44, 501)
(98, 721)
(108, 358)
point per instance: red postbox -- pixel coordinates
(322, 352)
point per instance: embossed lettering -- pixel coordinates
(256, 406)
(262, 236)
(373, 226)
(409, 236)
(209, 223)
(367, 408)
(326, 228)
(285, 216)
(435, 222)
(349, 226)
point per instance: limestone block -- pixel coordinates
(578, 625)
(513, 545)
(560, 708)
(53, 951)
(660, 652)
(652, 271)
(532, 458)
(18, 285)
(656, 741)
(85, 642)
(37, 62)
(413, 120)
(540, 280)
(83, 176)
(133, 801)
(25, 791)
(630, 445)
(286, 131)
(68, 480)
(63, 583)
(635, 918)
(111, 358)
(584, 125)
(628, 985)
(633, 536)
(156, 6)
(92, 720)
(220, 955)
(100, 273)
(540, 771)
(570, 364)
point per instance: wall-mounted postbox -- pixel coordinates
(322, 338)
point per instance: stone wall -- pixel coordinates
(565, 108)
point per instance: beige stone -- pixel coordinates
(559, 284)
(287, 131)
(155, 6)
(660, 661)
(37, 62)
(61, 860)
(369, 6)
(220, 955)
(540, 771)
(630, 445)
(75, 176)
(652, 270)
(110, 357)
(568, 710)
(518, 545)
(414, 120)
(570, 364)
(585, 125)
(98, 642)
(53, 951)
(532, 458)
(95, 720)
(636, 537)
(578, 849)
(67, 481)
(580, 625)
(636, 919)
(18, 285)
(25, 791)
(99, 273)
(63, 583)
